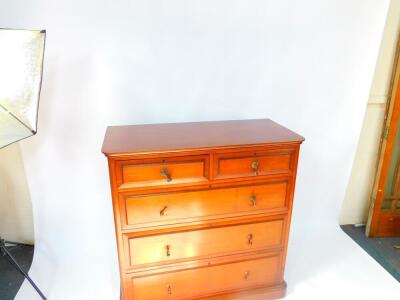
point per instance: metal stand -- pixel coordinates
(4, 252)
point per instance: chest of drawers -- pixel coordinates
(202, 210)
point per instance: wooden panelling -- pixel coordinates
(389, 224)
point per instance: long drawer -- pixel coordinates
(195, 283)
(176, 207)
(190, 244)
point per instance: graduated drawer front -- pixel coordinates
(167, 208)
(207, 280)
(186, 245)
(162, 171)
(252, 163)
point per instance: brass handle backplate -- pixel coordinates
(253, 199)
(168, 248)
(254, 165)
(250, 239)
(162, 212)
(164, 172)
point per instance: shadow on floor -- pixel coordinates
(381, 249)
(10, 279)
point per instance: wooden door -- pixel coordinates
(384, 214)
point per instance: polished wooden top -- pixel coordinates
(155, 138)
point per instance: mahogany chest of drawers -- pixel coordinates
(202, 210)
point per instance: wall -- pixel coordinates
(306, 64)
(357, 200)
(16, 222)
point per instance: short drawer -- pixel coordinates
(253, 163)
(184, 245)
(201, 282)
(176, 207)
(162, 171)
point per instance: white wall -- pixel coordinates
(357, 200)
(306, 64)
(16, 222)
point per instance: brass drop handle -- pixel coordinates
(250, 239)
(168, 248)
(164, 172)
(254, 165)
(169, 289)
(162, 212)
(253, 199)
(246, 275)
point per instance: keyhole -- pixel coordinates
(250, 239)
(169, 289)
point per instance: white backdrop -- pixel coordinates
(306, 64)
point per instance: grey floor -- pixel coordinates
(10, 279)
(381, 249)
